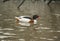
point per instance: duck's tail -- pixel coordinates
(17, 18)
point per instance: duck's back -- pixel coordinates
(24, 19)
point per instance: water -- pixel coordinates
(47, 29)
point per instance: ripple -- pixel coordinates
(2, 40)
(0, 14)
(8, 19)
(57, 14)
(5, 36)
(41, 24)
(37, 28)
(43, 38)
(7, 29)
(22, 30)
(21, 39)
(42, 28)
(50, 39)
(35, 37)
(1, 32)
(22, 27)
(58, 31)
(39, 31)
(51, 31)
(9, 34)
(55, 37)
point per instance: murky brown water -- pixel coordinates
(47, 29)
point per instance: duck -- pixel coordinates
(27, 19)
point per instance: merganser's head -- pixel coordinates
(35, 17)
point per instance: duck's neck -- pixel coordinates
(34, 18)
(35, 21)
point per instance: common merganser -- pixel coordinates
(27, 19)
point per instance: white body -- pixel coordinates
(24, 20)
